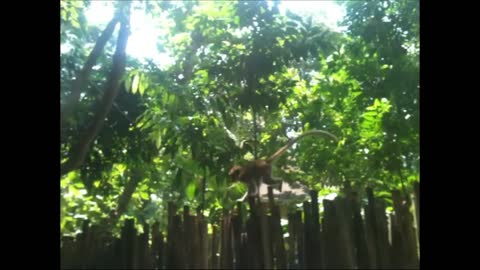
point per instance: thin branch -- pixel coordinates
(126, 196)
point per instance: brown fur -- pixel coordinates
(255, 172)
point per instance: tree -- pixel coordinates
(245, 77)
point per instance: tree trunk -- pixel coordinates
(79, 151)
(82, 76)
(124, 199)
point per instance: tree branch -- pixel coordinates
(81, 79)
(79, 151)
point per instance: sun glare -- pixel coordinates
(142, 43)
(327, 12)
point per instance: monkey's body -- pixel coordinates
(255, 172)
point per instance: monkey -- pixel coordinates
(260, 171)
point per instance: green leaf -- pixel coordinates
(248, 156)
(142, 85)
(340, 76)
(265, 138)
(158, 141)
(190, 190)
(384, 194)
(75, 24)
(144, 195)
(135, 83)
(79, 185)
(128, 83)
(239, 47)
(370, 115)
(73, 13)
(201, 74)
(171, 99)
(165, 98)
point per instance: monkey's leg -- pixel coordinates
(274, 181)
(255, 186)
(252, 191)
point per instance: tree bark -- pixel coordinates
(79, 151)
(82, 76)
(126, 196)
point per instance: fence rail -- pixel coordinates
(342, 238)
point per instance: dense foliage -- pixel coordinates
(244, 78)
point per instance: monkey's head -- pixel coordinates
(235, 172)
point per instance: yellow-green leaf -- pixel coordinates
(135, 83)
(63, 13)
(144, 195)
(75, 24)
(143, 84)
(190, 192)
(158, 142)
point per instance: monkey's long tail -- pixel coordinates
(288, 145)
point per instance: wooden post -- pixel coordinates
(175, 257)
(147, 251)
(171, 235)
(81, 250)
(117, 261)
(278, 247)
(416, 190)
(345, 239)
(157, 246)
(383, 245)
(300, 240)
(240, 262)
(404, 220)
(266, 239)
(397, 256)
(67, 253)
(188, 237)
(225, 249)
(316, 253)
(97, 255)
(292, 242)
(254, 247)
(203, 245)
(196, 245)
(331, 233)
(91, 247)
(179, 261)
(307, 235)
(371, 230)
(359, 239)
(215, 260)
(129, 244)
